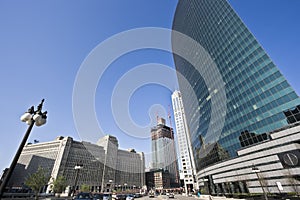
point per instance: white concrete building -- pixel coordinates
(183, 137)
(277, 161)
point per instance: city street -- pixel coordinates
(208, 197)
(165, 197)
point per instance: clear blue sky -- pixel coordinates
(43, 43)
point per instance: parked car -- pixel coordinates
(137, 195)
(98, 196)
(120, 197)
(130, 197)
(107, 196)
(83, 196)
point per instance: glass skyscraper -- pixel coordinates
(257, 95)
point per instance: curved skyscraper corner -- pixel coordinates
(257, 95)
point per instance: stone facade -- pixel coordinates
(103, 164)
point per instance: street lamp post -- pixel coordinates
(110, 184)
(256, 171)
(125, 184)
(103, 173)
(31, 117)
(77, 168)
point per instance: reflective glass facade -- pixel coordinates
(256, 92)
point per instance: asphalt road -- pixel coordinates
(182, 197)
(207, 197)
(165, 197)
(159, 197)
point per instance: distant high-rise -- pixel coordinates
(163, 150)
(246, 91)
(182, 130)
(158, 179)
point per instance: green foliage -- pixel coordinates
(119, 190)
(85, 188)
(203, 191)
(37, 180)
(59, 184)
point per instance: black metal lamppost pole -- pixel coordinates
(256, 171)
(77, 168)
(31, 117)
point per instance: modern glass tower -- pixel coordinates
(255, 94)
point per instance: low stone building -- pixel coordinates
(103, 166)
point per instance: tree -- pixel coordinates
(37, 181)
(264, 182)
(59, 184)
(292, 181)
(85, 188)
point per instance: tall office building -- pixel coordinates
(163, 150)
(184, 145)
(103, 165)
(240, 94)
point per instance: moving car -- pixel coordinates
(151, 194)
(171, 195)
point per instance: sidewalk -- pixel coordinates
(209, 197)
